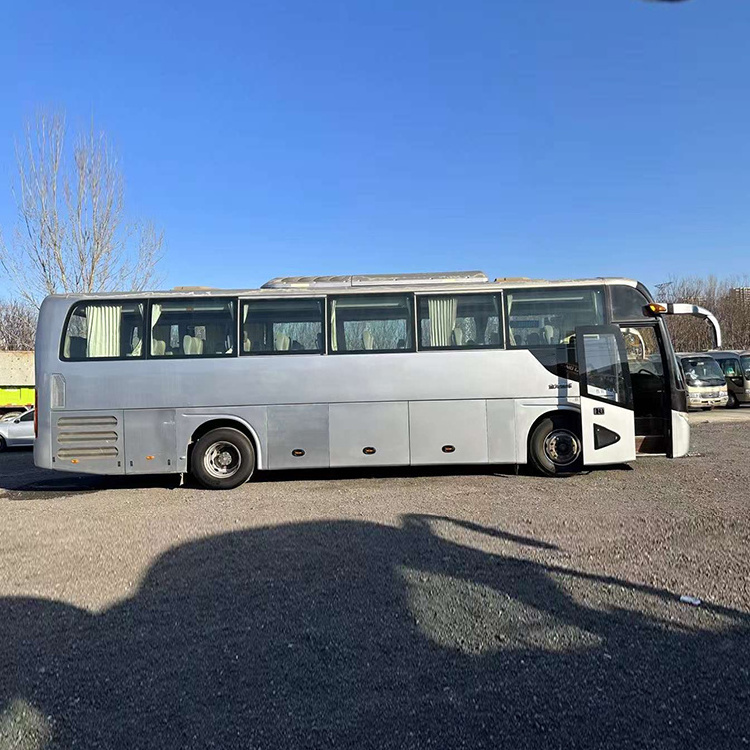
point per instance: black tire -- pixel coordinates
(209, 454)
(732, 403)
(3, 445)
(557, 435)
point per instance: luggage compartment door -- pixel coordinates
(298, 436)
(370, 434)
(448, 432)
(150, 441)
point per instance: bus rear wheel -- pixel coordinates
(555, 447)
(222, 459)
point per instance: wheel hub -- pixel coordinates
(562, 447)
(222, 459)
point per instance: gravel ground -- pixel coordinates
(399, 610)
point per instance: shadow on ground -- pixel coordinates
(351, 634)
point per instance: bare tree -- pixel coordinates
(728, 299)
(72, 234)
(17, 326)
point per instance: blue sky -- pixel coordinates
(556, 138)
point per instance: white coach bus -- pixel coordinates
(415, 369)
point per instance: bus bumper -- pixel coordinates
(680, 434)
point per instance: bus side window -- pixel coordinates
(461, 321)
(104, 330)
(548, 316)
(282, 326)
(202, 327)
(362, 323)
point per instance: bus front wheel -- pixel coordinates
(555, 446)
(222, 459)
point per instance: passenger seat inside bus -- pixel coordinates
(192, 345)
(368, 340)
(282, 342)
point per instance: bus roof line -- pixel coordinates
(363, 289)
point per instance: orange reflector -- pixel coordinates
(656, 308)
(149, 458)
(74, 460)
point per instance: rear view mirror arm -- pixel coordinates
(685, 308)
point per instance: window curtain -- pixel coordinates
(138, 337)
(332, 323)
(511, 337)
(253, 333)
(155, 315)
(442, 312)
(103, 330)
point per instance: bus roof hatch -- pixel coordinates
(377, 279)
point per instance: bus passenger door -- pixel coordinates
(607, 417)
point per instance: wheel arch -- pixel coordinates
(214, 422)
(527, 422)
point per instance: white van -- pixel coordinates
(704, 378)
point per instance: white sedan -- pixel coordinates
(18, 431)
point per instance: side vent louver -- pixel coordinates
(87, 437)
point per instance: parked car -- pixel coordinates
(706, 385)
(736, 367)
(17, 432)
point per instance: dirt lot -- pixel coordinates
(444, 610)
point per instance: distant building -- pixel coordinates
(742, 293)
